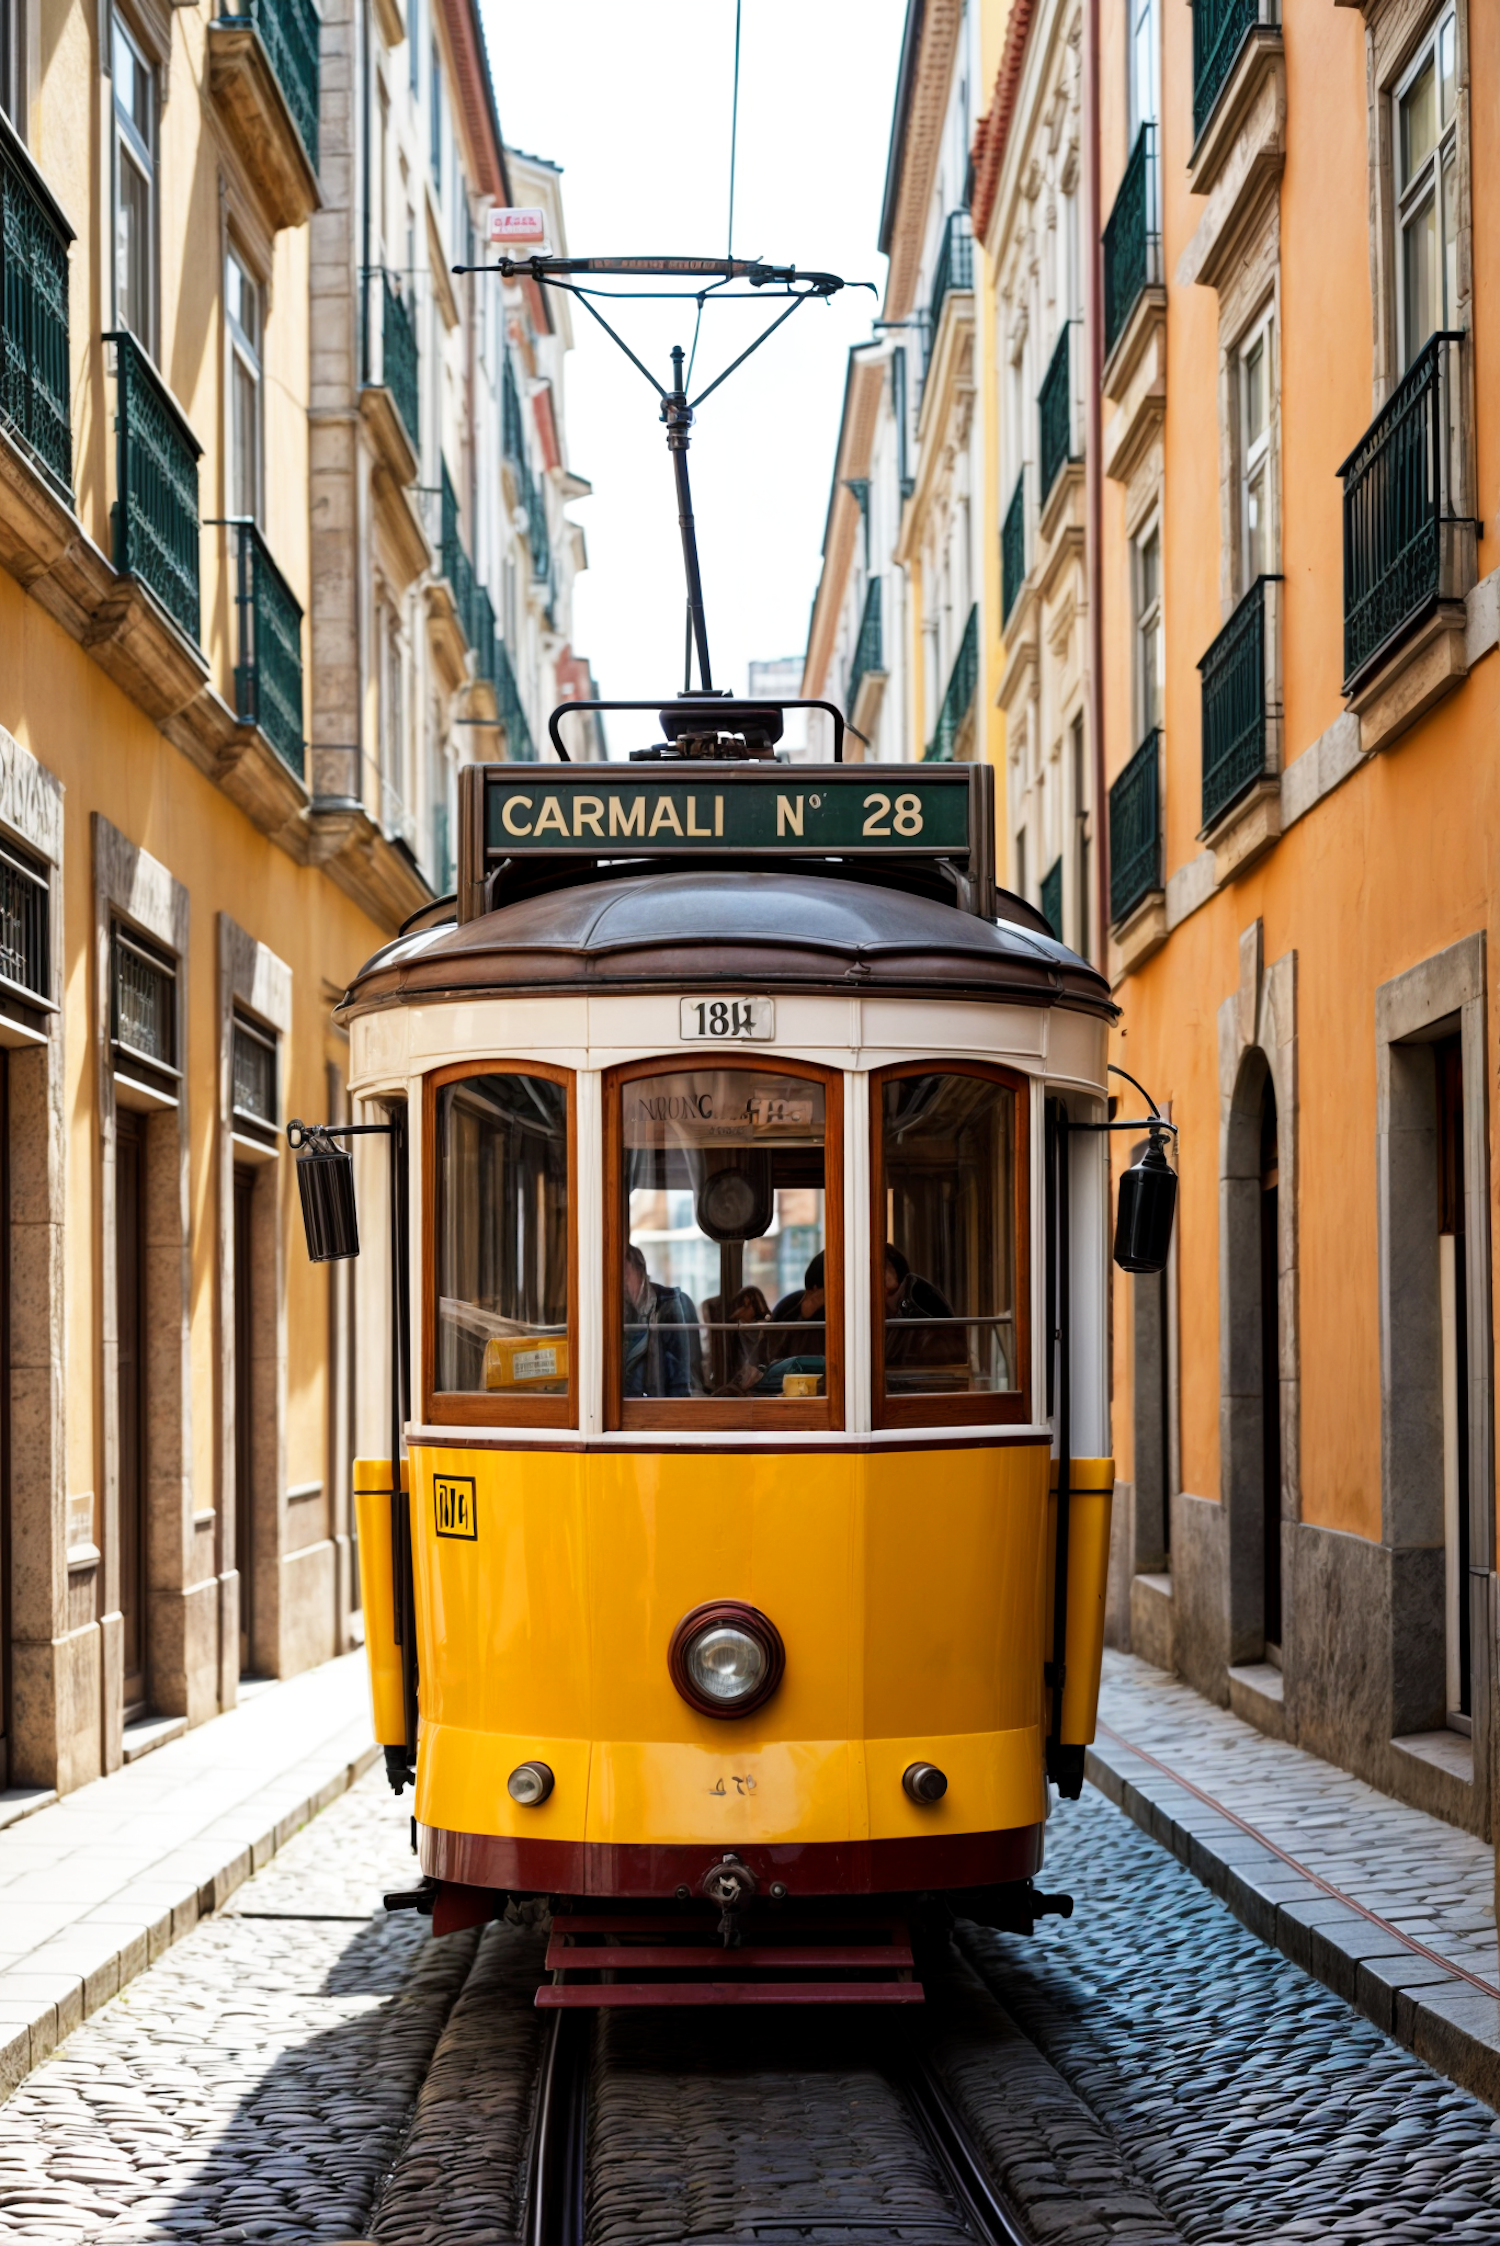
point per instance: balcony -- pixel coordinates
(34, 376)
(390, 402)
(1220, 30)
(519, 746)
(263, 72)
(1055, 417)
(154, 520)
(268, 672)
(1239, 705)
(1407, 546)
(868, 667)
(454, 559)
(25, 933)
(531, 499)
(954, 270)
(1132, 240)
(1013, 549)
(959, 699)
(1135, 832)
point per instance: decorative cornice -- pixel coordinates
(476, 91)
(914, 156)
(852, 460)
(993, 134)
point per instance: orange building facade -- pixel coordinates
(1299, 565)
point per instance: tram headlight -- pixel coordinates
(726, 1658)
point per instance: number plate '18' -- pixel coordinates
(728, 1021)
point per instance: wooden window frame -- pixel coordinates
(993, 1408)
(456, 1407)
(727, 1414)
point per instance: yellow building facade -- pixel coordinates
(1301, 608)
(220, 790)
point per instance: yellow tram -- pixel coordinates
(741, 1131)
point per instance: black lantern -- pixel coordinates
(325, 1180)
(1148, 1202)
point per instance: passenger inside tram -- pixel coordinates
(661, 1333)
(724, 1197)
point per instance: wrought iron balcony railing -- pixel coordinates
(958, 700)
(398, 355)
(869, 648)
(1220, 29)
(25, 924)
(289, 34)
(1051, 899)
(954, 270)
(1132, 239)
(482, 637)
(34, 377)
(154, 519)
(268, 673)
(513, 439)
(1135, 831)
(455, 562)
(1013, 548)
(1405, 542)
(1055, 412)
(519, 746)
(1236, 704)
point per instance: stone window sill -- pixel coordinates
(1141, 933)
(1246, 830)
(1447, 1751)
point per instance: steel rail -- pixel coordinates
(554, 2214)
(916, 2079)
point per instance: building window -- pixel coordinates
(1082, 855)
(1426, 152)
(1256, 377)
(13, 62)
(392, 727)
(1142, 64)
(143, 1013)
(435, 95)
(253, 1077)
(1150, 646)
(414, 47)
(242, 314)
(25, 922)
(135, 188)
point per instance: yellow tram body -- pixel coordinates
(558, 1540)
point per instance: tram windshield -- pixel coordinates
(948, 1149)
(502, 1235)
(723, 1283)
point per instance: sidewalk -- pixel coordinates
(94, 1887)
(1390, 1908)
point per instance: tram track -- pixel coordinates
(575, 2048)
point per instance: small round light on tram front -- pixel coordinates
(924, 1783)
(726, 1658)
(529, 1784)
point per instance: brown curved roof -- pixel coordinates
(765, 931)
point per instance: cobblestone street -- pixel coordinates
(302, 2068)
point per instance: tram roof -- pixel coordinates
(777, 929)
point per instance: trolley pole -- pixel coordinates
(678, 416)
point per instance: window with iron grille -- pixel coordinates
(25, 924)
(253, 1072)
(143, 1001)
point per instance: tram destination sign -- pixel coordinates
(776, 810)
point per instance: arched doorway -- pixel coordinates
(1270, 1376)
(1253, 1353)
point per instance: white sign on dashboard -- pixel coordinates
(728, 1021)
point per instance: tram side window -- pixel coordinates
(948, 1264)
(502, 1236)
(722, 1281)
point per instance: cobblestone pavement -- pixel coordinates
(296, 2070)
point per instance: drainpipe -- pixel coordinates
(1094, 474)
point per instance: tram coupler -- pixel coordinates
(420, 1898)
(1065, 1769)
(398, 1767)
(1011, 1908)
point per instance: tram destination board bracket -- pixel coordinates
(754, 813)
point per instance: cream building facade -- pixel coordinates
(208, 816)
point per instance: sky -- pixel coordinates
(633, 101)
